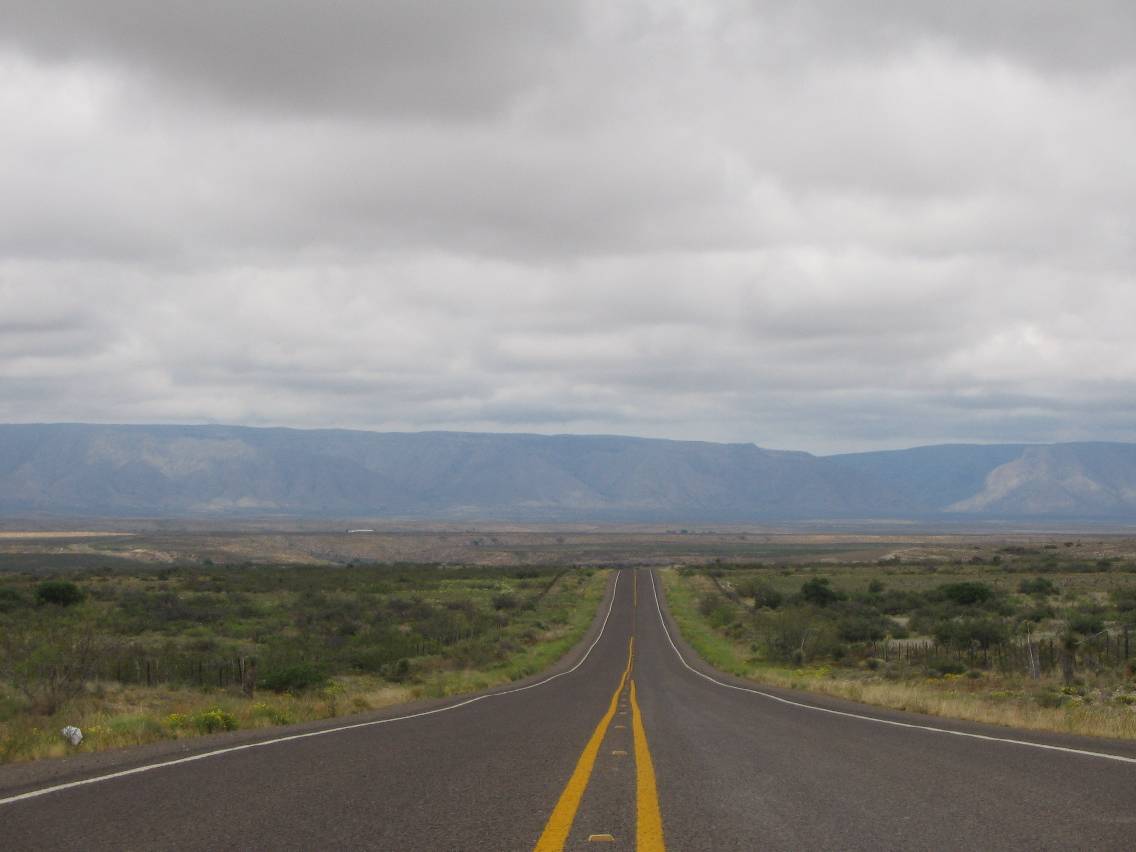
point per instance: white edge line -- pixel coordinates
(892, 722)
(228, 750)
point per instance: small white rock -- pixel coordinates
(72, 735)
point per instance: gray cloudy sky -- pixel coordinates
(824, 225)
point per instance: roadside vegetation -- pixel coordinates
(152, 653)
(1032, 637)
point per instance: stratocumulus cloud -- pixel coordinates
(816, 225)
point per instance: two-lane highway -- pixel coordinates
(623, 800)
(636, 745)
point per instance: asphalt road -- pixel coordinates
(633, 743)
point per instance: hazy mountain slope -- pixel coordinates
(1008, 480)
(929, 479)
(211, 470)
(1061, 479)
(127, 470)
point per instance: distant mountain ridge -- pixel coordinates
(133, 471)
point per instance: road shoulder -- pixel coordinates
(1124, 748)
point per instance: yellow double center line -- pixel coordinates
(648, 818)
(648, 821)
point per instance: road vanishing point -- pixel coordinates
(629, 743)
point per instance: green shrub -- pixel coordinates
(1050, 699)
(10, 599)
(796, 635)
(48, 657)
(275, 715)
(138, 729)
(965, 594)
(819, 592)
(863, 627)
(716, 610)
(895, 602)
(211, 721)
(1085, 623)
(1039, 613)
(1041, 586)
(938, 668)
(1124, 599)
(292, 677)
(505, 600)
(764, 595)
(709, 602)
(58, 592)
(468, 653)
(397, 671)
(969, 632)
(375, 654)
(176, 721)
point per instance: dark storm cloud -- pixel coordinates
(390, 56)
(821, 225)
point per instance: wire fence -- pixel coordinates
(1016, 655)
(137, 667)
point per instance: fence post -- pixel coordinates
(248, 678)
(1033, 660)
(1068, 664)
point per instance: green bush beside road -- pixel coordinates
(160, 652)
(1054, 650)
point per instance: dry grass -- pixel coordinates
(1015, 709)
(115, 716)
